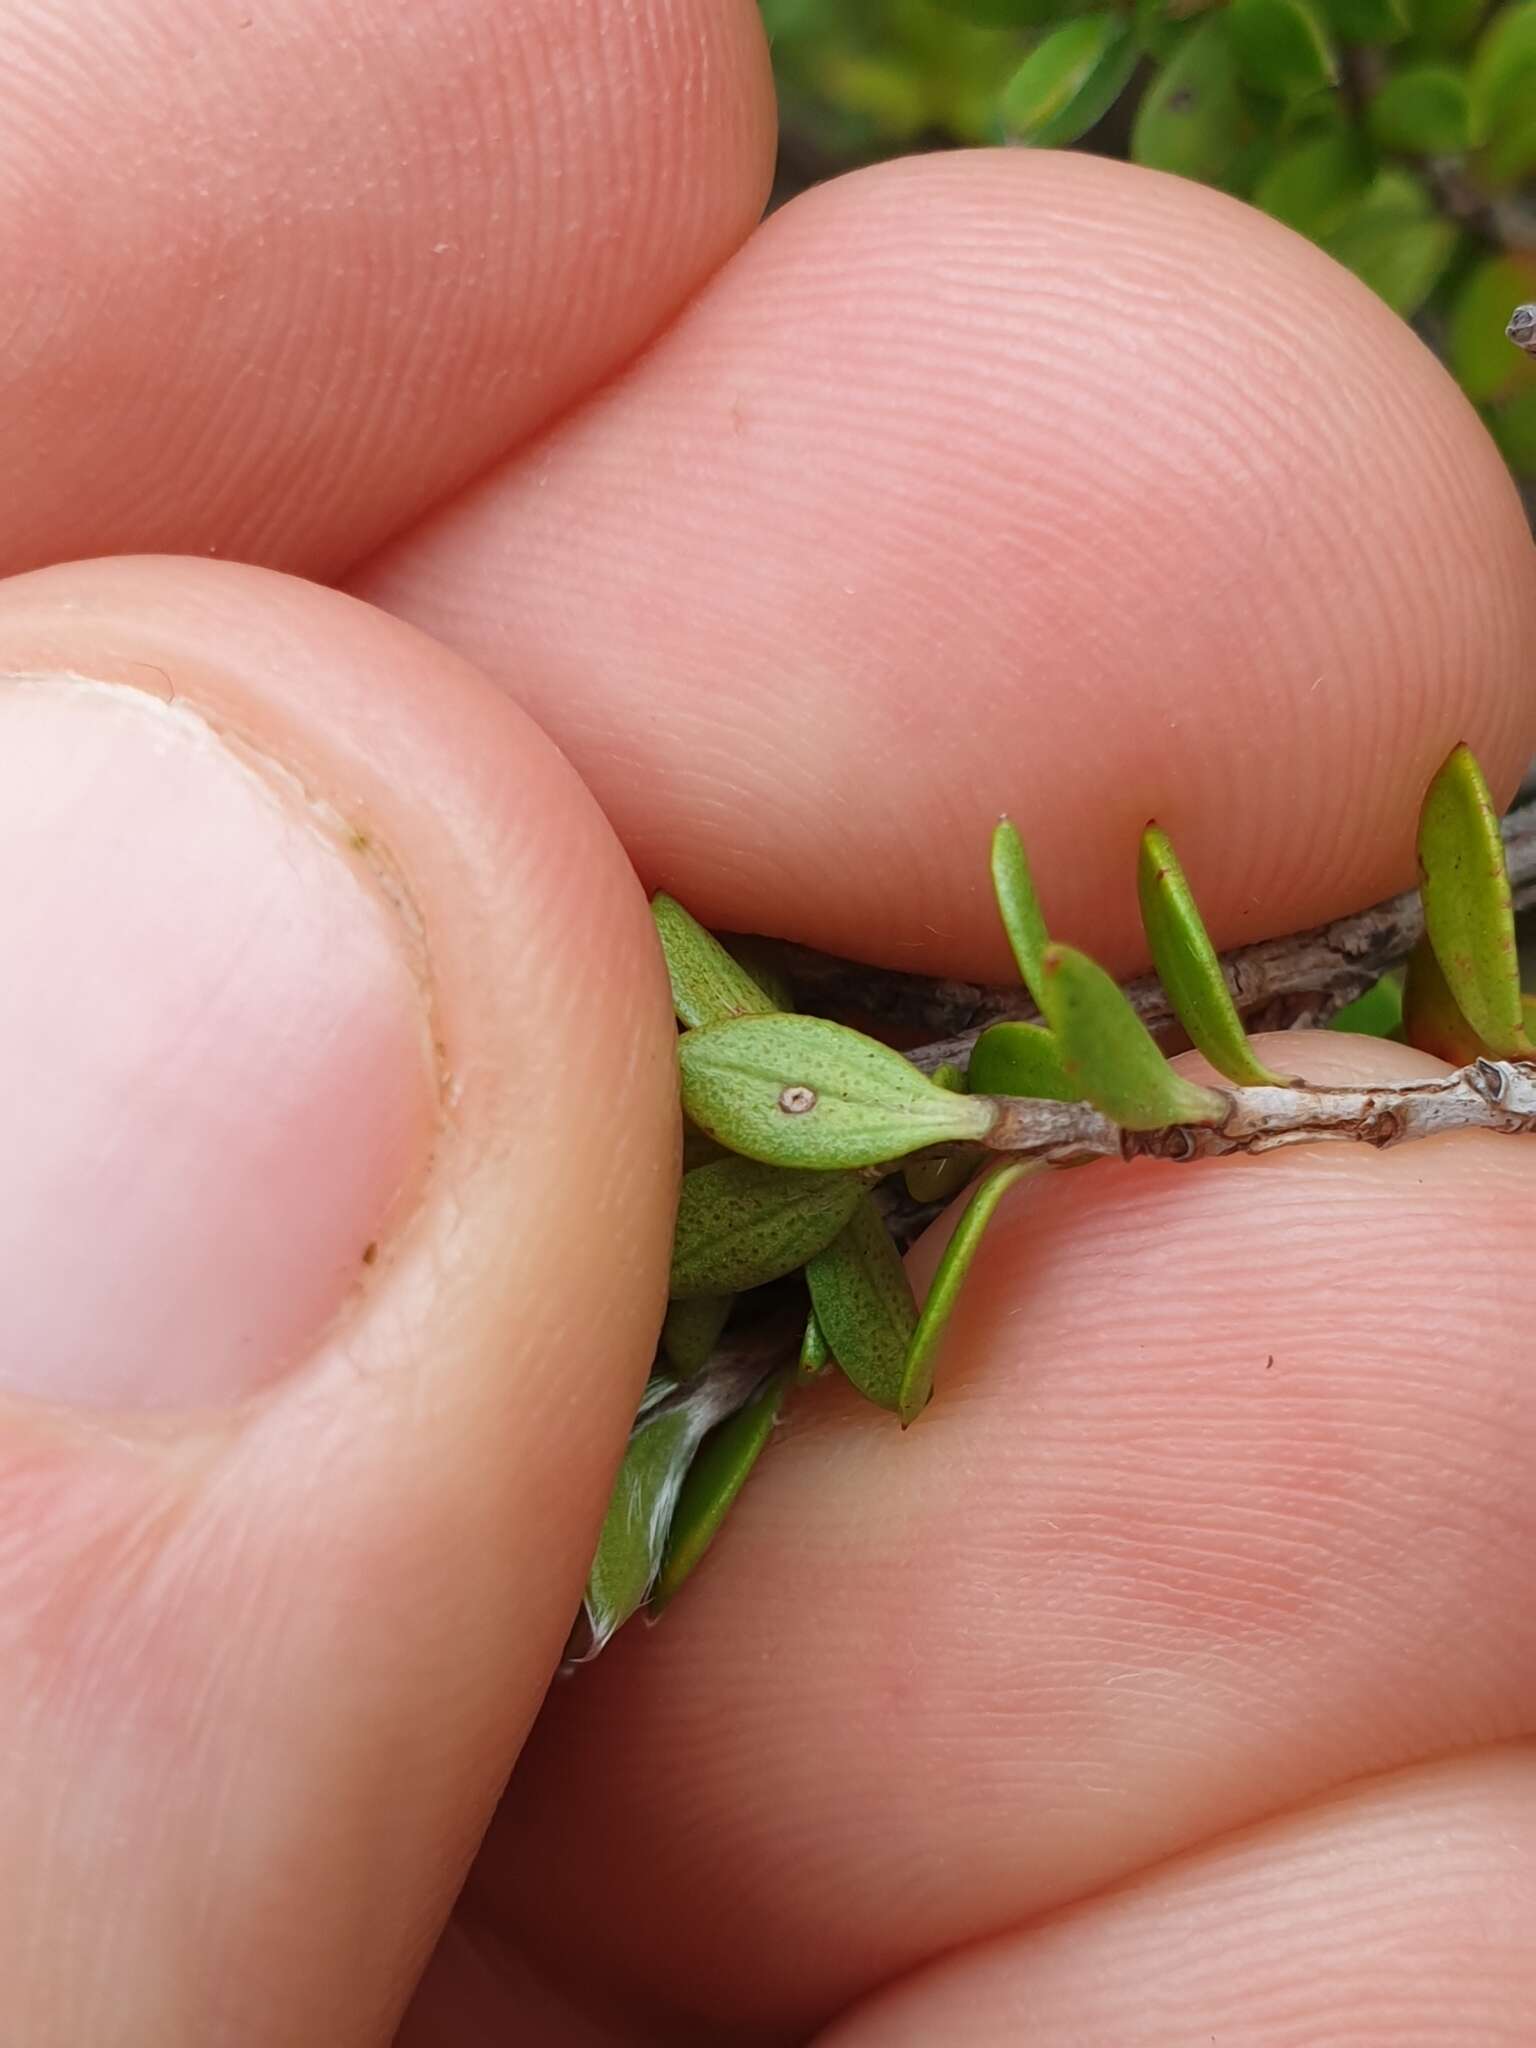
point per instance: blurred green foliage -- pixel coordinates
(1398, 134)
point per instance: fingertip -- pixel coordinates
(343, 1133)
(892, 533)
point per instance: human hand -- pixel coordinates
(1144, 1692)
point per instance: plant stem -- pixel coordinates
(1488, 1095)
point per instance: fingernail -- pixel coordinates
(216, 1080)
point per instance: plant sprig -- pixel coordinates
(809, 1120)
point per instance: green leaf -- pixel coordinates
(1477, 345)
(1111, 1055)
(815, 1351)
(1070, 80)
(1376, 1014)
(692, 1330)
(1193, 118)
(1315, 186)
(715, 1478)
(1504, 94)
(741, 1224)
(1444, 24)
(1281, 48)
(802, 1091)
(1368, 21)
(634, 1532)
(1018, 905)
(1397, 193)
(1424, 111)
(1502, 76)
(1513, 425)
(1467, 909)
(1187, 965)
(864, 1304)
(1401, 256)
(922, 1353)
(1432, 1020)
(1019, 1059)
(947, 1075)
(707, 984)
(1510, 156)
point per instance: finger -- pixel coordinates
(339, 1129)
(1006, 481)
(321, 264)
(1223, 1501)
(1399, 1911)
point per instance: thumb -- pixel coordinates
(339, 1132)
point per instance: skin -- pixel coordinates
(1146, 1690)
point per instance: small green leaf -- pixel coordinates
(708, 986)
(1467, 909)
(947, 1075)
(1425, 110)
(1477, 345)
(715, 1478)
(1396, 193)
(864, 1304)
(1513, 425)
(1368, 21)
(634, 1532)
(1502, 80)
(1110, 1054)
(692, 1330)
(1281, 47)
(1432, 1021)
(1510, 156)
(1376, 1014)
(1019, 906)
(1315, 186)
(802, 1091)
(815, 1351)
(1070, 80)
(922, 1353)
(1193, 119)
(1507, 117)
(1187, 965)
(741, 1224)
(1400, 255)
(1019, 1059)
